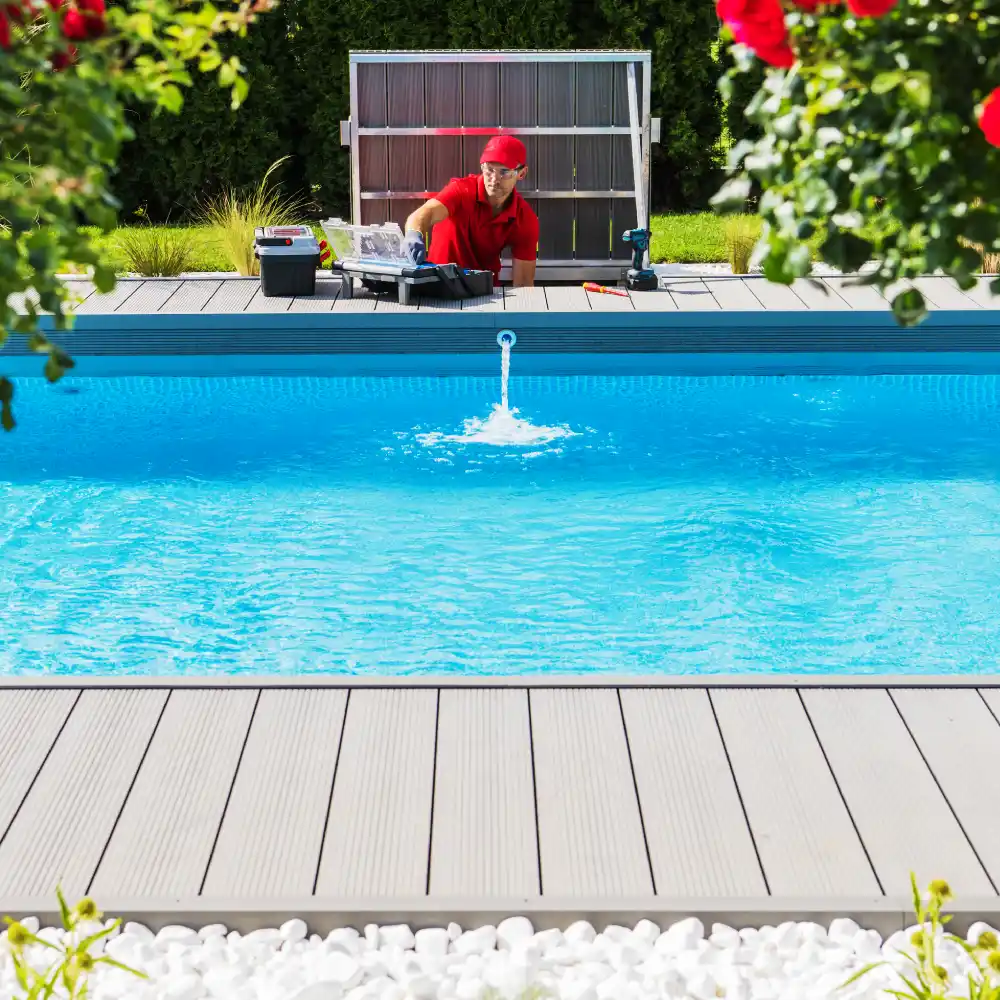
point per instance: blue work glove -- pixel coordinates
(414, 248)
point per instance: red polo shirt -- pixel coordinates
(473, 237)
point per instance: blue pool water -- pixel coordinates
(686, 525)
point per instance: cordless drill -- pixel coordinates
(639, 278)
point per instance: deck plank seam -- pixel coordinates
(434, 767)
(163, 304)
(329, 798)
(534, 790)
(940, 788)
(229, 794)
(982, 698)
(840, 791)
(739, 791)
(635, 787)
(41, 766)
(128, 792)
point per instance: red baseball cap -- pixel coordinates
(507, 150)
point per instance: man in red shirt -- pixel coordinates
(475, 217)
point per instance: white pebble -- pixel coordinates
(476, 942)
(293, 930)
(514, 931)
(396, 936)
(213, 931)
(138, 930)
(843, 930)
(581, 930)
(321, 991)
(431, 941)
(454, 932)
(725, 937)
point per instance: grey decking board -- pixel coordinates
(378, 829)
(567, 298)
(327, 292)
(272, 833)
(904, 820)
(609, 302)
(819, 296)
(486, 303)
(29, 724)
(149, 297)
(531, 299)
(589, 826)
(861, 297)
(733, 295)
(66, 820)
(774, 297)
(956, 733)
(658, 300)
(699, 842)
(191, 297)
(163, 840)
(802, 829)
(982, 294)
(484, 840)
(944, 293)
(261, 303)
(430, 304)
(232, 296)
(362, 301)
(108, 302)
(690, 294)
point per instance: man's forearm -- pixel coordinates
(421, 219)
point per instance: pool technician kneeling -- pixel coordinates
(477, 216)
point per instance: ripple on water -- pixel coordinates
(616, 525)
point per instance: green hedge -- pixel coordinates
(298, 60)
(177, 161)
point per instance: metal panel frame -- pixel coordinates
(642, 131)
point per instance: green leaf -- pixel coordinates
(6, 397)
(918, 89)
(884, 82)
(995, 286)
(732, 195)
(104, 960)
(64, 911)
(861, 973)
(909, 309)
(846, 251)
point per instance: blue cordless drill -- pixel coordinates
(639, 278)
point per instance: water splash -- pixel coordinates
(504, 372)
(503, 427)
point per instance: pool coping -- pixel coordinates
(541, 680)
(886, 914)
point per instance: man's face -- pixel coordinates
(500, 180)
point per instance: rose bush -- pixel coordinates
(880, 124)
(68, 70)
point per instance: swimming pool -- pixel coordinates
(643, 525)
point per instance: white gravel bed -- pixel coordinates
(793, 961)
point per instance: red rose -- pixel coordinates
(93, 14)
(989, 118)
(14, 12)
(871, 8)
(781, 56)
(74, 26)
(60, 60)
(4, 31)
(760, 25)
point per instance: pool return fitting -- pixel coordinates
(506, 337)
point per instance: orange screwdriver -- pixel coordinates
(592, 286)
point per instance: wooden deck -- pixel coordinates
(225, 296)
(771, 798)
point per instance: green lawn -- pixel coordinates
(689, 239)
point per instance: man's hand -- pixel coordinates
(414, 248)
